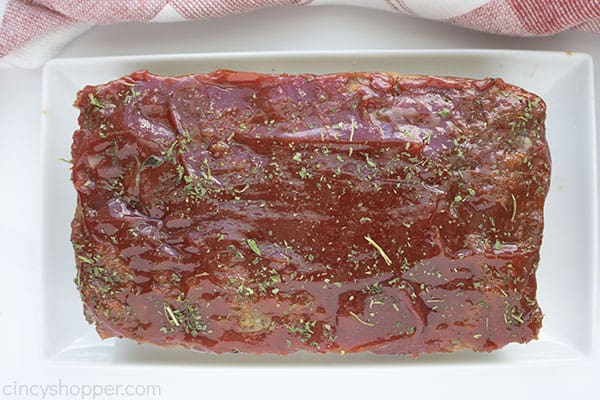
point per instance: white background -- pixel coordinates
(273, 29)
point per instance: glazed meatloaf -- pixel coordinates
(349, 212)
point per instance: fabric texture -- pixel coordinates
(32, 31)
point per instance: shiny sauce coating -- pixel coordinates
(243, 212)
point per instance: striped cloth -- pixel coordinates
(32, 31)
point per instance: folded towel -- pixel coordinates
(32, 31)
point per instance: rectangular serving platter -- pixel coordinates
(567, 274)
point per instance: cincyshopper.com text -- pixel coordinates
(62, 390)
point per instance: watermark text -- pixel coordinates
(63, 390)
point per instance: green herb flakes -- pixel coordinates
(445, 113)
(94, 101)
(254, 247)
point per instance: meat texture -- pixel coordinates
(242, 212)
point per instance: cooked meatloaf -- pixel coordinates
(243, 212)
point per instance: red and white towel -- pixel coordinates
(32, 31)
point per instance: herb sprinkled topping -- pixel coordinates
(360, 320)
(170, 315)
(387, 260)
(352, 128)
(370, 162)
(94, 101)
(85, 259)
(514, 202)
(445, 113)
(253, 246)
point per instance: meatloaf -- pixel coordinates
(348, 212)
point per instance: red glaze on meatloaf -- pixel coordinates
(349, 212)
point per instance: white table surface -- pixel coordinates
(284, 28)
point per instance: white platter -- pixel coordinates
(567, 275)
